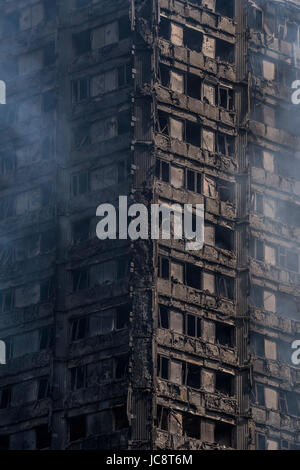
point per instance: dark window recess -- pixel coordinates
(282, 402)
(192, 326)
(8, 164)
(122, 268)
(6, 300)
(288, 259)
(78, 377)
(124, 74)
(163, 122)
(193, 133)
(225, 144)
(225, 335)
(225, 8)
(223, 434)
(124, 123)
(257, 203)
(121, 367)
(46, 338)
(257, 157)
(43, 389)
(260, 441)
(50, 9)
(10, 24)
(46, 194)
(162, 170)
(255, 18)
(191, 426)
(226, 98)
(225, 286)
(164, 28)
(164, 75)
(257, 249)
(224, 238)
(193, 86)
(49, 54)
(191, 375)
(288, 213)
(42, 437)
(79, 328)
(292, 32)
(259, 394)
(81, 136)
(46, 290)
(9, 70)
(4, 442)
(194, 181)
(224, 383)
(120, 417)
(192, 39)
(287, 306)
(5, 398)
(122, 171)
(80, 90)
(257, 343)
(162, 367)
(77, 428)
(257, 297)
(162, 418)
(122, 316)
(193, 276)
(163, 268)
(83, 3)
(82, 42)
(81, 231)
(7, 207)
(47, 147)
(163, 317)
(48, 241)
(225, 51)
(80, 183)
(124, 28)
(80, 279)
(293, 402)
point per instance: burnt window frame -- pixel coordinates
(187, 317)
(197, 186)
(78, 377)
(163, 170)
(77, 94)
(161, 322)
(163, 367)
(75, 329)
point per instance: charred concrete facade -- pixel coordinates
(142, 345)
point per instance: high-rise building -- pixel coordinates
(123, 344)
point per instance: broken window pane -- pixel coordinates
(225, 51)
(193, 276)
(163, 317)
(191, 426)
(225, 335)
(225, 8)
(193, 86)
(120, 417)
(193, 133)
(224, 383)
(77, 428)
(192, 39)
(162, 367)
(79, 328)
(43, 437)
(82, 42)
